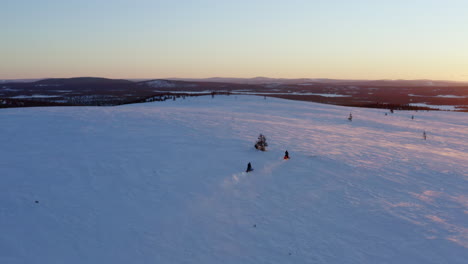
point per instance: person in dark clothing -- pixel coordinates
(286, 155)
(249, 167)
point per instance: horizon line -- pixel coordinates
(241, 78)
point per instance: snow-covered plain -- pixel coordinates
(164, 182)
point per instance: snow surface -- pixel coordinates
(48, 85)
(450, 96)
(164, 182)
(34, 96)
(292, 93)
(160, 83)
(186, 92)
(6, 89)
(440, 95)
(440, 107)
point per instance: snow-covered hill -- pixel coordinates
(164, 182)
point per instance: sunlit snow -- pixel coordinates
(165, 182)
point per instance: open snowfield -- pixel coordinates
(164, 182)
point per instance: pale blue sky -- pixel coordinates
(360, 39)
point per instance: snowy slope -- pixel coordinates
(164, 182)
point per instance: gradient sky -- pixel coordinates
(347, 39)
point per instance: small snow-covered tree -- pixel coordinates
(261, 143)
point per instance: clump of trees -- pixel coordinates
(261, 143)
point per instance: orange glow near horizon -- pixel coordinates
(299, 39)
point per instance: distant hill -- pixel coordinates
(83, 81)
(249, 81)
(266, 80)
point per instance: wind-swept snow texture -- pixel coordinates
(165, 182)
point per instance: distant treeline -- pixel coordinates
(9, 103)
(392, 106)
(174, 96)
